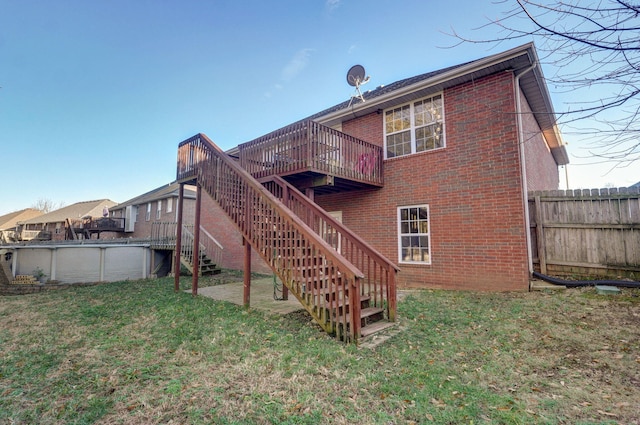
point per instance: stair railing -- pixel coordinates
(312, 270)
(163, 235)
(380, 273)
(211, 246)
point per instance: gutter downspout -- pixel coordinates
(523, 166)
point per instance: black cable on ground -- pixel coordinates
(277, 289)
(581, 283)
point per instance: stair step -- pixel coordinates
(368, 312)
(343, 303)
(370, 315)
(375, 328)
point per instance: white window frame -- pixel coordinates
(418, 234)
(412, 128)
(169, 205)
(148, 216)
(159, 209)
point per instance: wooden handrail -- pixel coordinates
(357, 250)
(164, 234)
(300, 257)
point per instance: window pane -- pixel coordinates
(425, 255)
(439, 140)
(399, 144)
(437, 106)
(406, 118)
(424, 227)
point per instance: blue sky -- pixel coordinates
(96, 95)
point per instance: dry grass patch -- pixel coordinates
(138, 353)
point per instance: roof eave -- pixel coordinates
(469, 71)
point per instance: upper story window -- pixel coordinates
(148, 216)
(169, 205)
(414, 127)
(159, 209)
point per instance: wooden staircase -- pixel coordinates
(205, 264)
(163, 236)
(348, 287)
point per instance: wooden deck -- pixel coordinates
(310, 155)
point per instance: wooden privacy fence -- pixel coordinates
(586, 232)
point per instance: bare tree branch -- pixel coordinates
(592, 48)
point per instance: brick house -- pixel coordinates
(157, 205)
(60, 224)
(9, 223)
(444, 196)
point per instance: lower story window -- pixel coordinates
(413, 234)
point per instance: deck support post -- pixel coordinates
(392, 296)
(178, 248)
(196, 242)
(246, 298)
(285, 292)
(354, 308)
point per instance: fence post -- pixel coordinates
(542, 254)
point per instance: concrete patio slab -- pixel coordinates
(261, 297)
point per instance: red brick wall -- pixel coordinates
(142, 227)
(224, 231)
(541, 168)
(368, 128)
(472, 187)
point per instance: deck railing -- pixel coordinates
(309, 146)
(104, 224)
(312, 270)
(28, 235)
(379, 282)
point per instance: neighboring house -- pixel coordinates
(635, 185)
(67, 223)
(157, 205)
(432, 171)
(9, 223)
(154, 215)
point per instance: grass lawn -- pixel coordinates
(138, 353)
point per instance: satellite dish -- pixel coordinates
(357, 77)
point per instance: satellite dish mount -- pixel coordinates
(356, 78)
